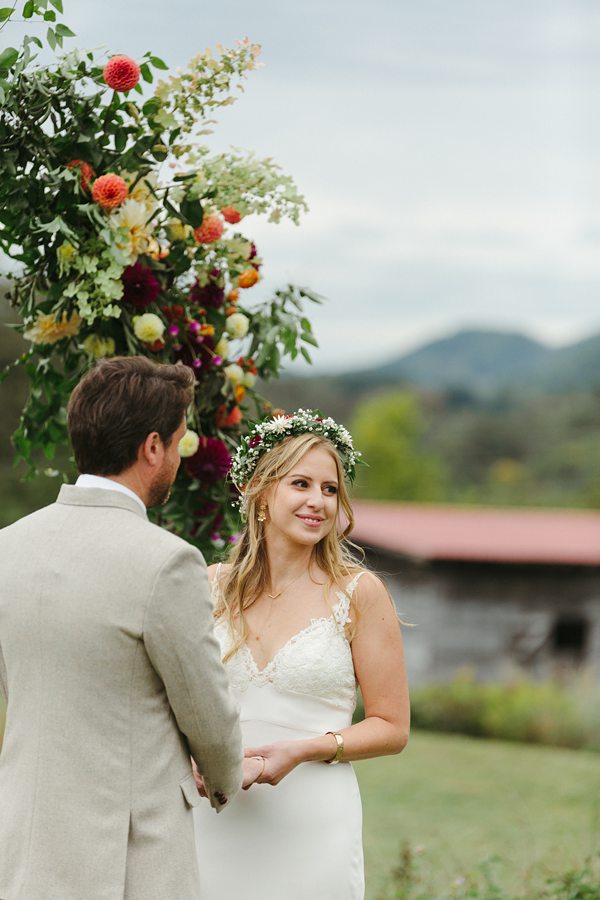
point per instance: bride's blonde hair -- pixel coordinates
(248, 574)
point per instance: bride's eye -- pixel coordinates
(331, 489)
(300, 482)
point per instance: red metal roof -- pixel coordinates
(478, 534)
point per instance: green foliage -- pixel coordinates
(100, 274)
(388, 430)
(484, 882)
(535, 712)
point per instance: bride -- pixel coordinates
(300, 624)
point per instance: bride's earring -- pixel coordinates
(262, 512)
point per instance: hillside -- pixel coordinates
(479, 360)
(469, 363)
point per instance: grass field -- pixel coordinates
(459, 800)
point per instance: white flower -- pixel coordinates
(222, 348)
(144, 191)
(249, 380)
(189, 443)
(278, 424)
(237, 325)
(148, 328)
(234, 373)
(133, 216)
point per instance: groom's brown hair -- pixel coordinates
(118, 403)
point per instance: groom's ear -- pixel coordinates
(152, 450)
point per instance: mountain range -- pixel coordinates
(483, 362)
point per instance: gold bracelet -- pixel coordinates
(339, 750)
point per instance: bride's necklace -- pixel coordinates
(289, 584)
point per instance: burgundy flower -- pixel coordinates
(209, 295)
(210, 462)
(140, 286)
(255, 440)
(253, 255)
(208, 518)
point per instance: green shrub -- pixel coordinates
(521, 710)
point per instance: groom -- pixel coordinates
(108, 663)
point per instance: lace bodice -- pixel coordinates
(316, 661)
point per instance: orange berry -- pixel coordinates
(248, 278)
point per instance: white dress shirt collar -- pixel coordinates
(107, 484)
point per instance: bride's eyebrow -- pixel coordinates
(308, 478)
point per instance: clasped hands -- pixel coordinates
(262, 765)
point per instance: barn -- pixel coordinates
(498, 591)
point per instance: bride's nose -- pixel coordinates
(315, 499)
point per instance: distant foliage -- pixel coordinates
(389, 430)
(538, 713)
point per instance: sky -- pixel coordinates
(448, 152)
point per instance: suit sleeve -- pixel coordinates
(3, 677)
(179, 639)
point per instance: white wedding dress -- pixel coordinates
(301, 839)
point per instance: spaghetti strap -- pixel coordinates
(341, 610)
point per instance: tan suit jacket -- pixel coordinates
(113, 678)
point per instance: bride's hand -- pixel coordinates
(199, 780)
(252, 769)
(280, 759)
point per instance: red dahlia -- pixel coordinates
(140, 286)
(231, 215)
(210, 462)
(121, 73)
(85, 171)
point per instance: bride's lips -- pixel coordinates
(311, 521)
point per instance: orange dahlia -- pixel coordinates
(85, 171)
(248, 278)
(121, 73)
(233, 296)
(228, 419)
(109, 191)
(211, 229)
(231, 215)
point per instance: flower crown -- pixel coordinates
(268, 432)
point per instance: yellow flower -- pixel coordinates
(249, 379)
(189, 443)
(207, 330)
(98, 346)
(49, 330)
(177, 231)
(222, 348)
(148, 328)
(65, 254)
